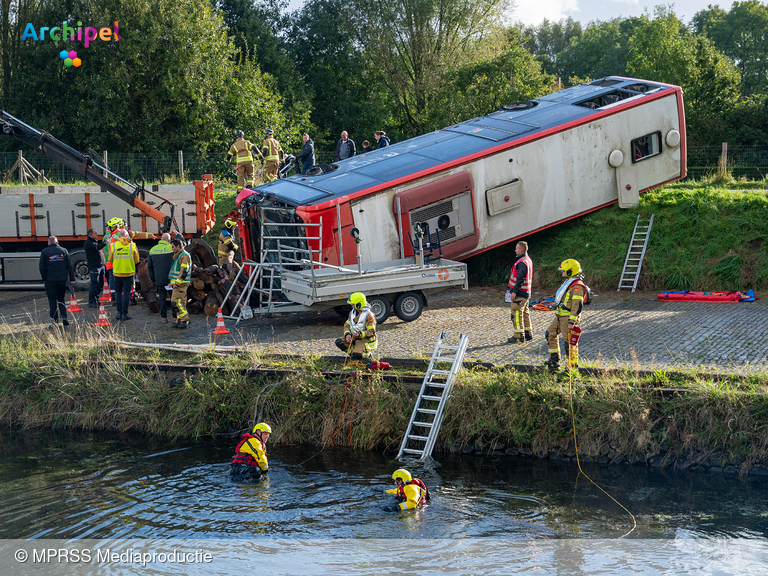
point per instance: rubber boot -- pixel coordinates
(528, 336)
(553, 364)
(342, 345)
(515, 340)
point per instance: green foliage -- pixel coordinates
(703, 238)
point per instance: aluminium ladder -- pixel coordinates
(424, 426)
(635, 254)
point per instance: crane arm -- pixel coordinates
(85, 167)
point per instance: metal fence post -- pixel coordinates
(181, 165)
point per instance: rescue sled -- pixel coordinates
(688, 296)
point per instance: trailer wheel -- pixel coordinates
(408, 306)
(380, 307)
(80, 266)
(343, 310)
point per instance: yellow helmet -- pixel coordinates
(229, 223)
(358, 300)
(571, 267)
(403, 475)
(262, 427)
(116, 222)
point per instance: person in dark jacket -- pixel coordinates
(382, 141)
(307, 154)
(93, 252)
(158, 266)
(55, 268)
(366, 147)
(345, 148)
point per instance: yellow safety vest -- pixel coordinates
(123, 259)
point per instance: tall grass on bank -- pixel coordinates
(703, 238)
(83, 381)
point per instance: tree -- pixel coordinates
(14, 15)
(413, 43)
(171, 82)
(663, 49)
(480, 88)
(741, 34)
(547, 40)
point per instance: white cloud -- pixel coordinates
(534, 11)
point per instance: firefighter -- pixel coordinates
(227, 244)
(568, 300)
(409, 492)
(272, 154)
(250, 460)
(241, 150)
(179, 277)
(359, 339)
(113, 228)
(519, 287)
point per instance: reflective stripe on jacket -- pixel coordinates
(272, 148)
(572, 302)
(179, 273)
(124, 257)
(241, 150)
(528, 280)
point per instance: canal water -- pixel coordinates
(321, 509)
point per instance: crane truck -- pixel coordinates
(29, 215)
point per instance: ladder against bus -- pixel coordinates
(422, 431)
(635, 254)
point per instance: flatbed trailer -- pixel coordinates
(399, 286)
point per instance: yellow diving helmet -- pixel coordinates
(402, 474)
(262, 427)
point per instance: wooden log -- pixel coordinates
(195, 307)
(211, 306)
(147, 288)
(196, 294)
(198, 283)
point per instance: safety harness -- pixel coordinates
(401, 497)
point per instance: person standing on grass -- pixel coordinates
(55, 267)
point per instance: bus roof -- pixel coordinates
(461, 142)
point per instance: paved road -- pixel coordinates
(620, 329)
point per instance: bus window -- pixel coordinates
(646, 147)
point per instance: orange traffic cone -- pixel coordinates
(103, 321)
(220, 328)
(73, 307)
(106, 295)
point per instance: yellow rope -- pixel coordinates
(578, 460)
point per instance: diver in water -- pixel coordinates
(250, 460)
(409, 492)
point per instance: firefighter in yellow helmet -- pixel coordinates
(250, 460)
(243, 150)
(273, 155)
(359, 339)
(569, 300)
(227, 244)
(409, 492)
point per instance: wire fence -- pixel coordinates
(749, 162)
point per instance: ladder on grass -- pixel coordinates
(422, 431)
(635, 254)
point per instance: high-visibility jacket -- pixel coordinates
(179, 273)
(271, 149)
(368, 334)
(124, 257)
(572, 302)
(525, 286)
(226, 243)
(251, 452)
(410, 495)
(107, 250)
(241, 150)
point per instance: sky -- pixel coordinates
(534, 11)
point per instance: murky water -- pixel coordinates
(94, 487)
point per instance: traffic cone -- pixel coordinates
(73, 307)
(106, 295)
(220, 328)
(103, 321)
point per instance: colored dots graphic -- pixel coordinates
(70, 58)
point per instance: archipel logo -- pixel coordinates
(67, 33)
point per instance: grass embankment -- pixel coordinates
(82, 381)
(703, 238)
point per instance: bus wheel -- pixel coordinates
(408, 306)
(380, 307)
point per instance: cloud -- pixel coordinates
(534, 11)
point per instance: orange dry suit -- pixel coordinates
(410, 495)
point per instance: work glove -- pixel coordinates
(235, 246)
